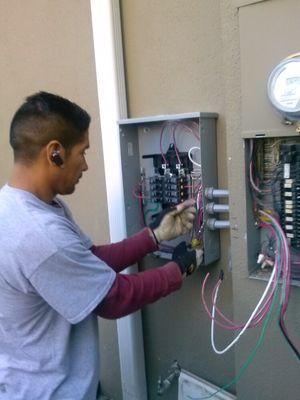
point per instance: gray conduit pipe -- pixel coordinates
(214, 224)
(212, 208)
(211, 193)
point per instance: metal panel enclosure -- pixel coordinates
(140, 136)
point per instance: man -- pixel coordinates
(53, 280)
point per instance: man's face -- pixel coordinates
(74, 166)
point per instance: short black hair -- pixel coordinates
(44, 117)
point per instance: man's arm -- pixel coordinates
(168, 225)
(131, 292)
(127, 252)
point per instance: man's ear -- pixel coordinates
(55, 153)
(56, 158)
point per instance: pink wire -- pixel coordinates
(142, 216)
(136, 195)
(175, 125)
(286, 275)
(200, 206)
(174, 141)
(285, 265)
(191, 130)
(160, 143)
(254, 186)
(231, 325)
(205, 304)
(286, 270)
(258, 316)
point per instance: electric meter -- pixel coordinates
(284, 87)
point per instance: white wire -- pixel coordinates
(190, 155)
(247, 323)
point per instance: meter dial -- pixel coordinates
(284, 87)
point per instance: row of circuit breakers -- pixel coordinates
(290, 192)
(170, 185)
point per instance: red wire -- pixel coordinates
(233, 325)
(160, 143)
(138, 195)
(174, 141)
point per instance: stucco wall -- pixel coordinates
(273, 374)
(180, 56)
(185, 56)
(173, 63)
(47, 45)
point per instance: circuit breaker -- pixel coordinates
(165, 160)
(273, 175)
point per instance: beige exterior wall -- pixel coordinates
(180, 56)
(186, 55)
(47, 45)
(173, 54)
(174, 64)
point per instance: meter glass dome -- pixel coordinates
(284, 87)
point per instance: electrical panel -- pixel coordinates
(273, 175)
(166, 160)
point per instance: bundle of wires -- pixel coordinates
(281, 270)
(174, 125)
(265, 306)
(140, 191)
(267, 220)
(266, 193)
(285, 248)
(252, 354)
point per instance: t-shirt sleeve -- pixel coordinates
(73, 281)
(85, 238)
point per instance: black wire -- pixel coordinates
(289, 341)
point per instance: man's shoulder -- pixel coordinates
(30, 231)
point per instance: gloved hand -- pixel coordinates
(175, 221)
(188, 259)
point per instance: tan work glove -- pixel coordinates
(174, 222)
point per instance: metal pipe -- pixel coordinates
(174, 372)
(214, 224)
(212, 208)
(211, 193)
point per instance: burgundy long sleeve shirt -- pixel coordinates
(131, 292)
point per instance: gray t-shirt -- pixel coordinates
(49, 284)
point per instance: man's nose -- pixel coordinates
(85, 166)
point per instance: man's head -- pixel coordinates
(51, 133)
